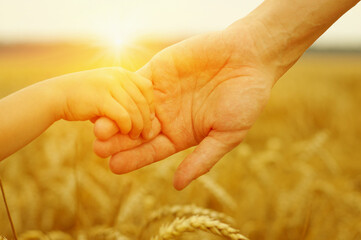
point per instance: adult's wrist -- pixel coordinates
(283, 30)
(266, 43)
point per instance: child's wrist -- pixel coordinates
(55, 98)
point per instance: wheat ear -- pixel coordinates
(103, 233)
(191, 224)
(188, 210)
(33, 235)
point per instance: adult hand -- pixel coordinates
(208, 90)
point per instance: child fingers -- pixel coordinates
(142, 104)
(146, 87)
(113, 110)
(105, 128)
(119, 142)
(122, 97)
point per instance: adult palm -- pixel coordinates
(208, 91)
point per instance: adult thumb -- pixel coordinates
(210, 150)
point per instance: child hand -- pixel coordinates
(122, 96)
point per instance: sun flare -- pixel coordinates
(113, 41)
(116, 41)
(119, 43)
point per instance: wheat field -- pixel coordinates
(296, 176)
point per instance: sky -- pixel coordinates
(48, 20)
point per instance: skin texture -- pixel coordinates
(122, 96)
(210, 89)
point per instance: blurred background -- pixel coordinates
(42, 20)
(297, 175)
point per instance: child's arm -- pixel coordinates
(122, 96)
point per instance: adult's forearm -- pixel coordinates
(284, 29)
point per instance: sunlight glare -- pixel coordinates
(115, 38)
(119, 42)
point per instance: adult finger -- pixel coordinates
(145, 154)
(210, 150)
(115, 144)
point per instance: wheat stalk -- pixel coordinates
(7, 210)
(127, 209)
(218, 192)
(314, 145)
(191, 224)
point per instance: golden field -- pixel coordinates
(296, 176)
